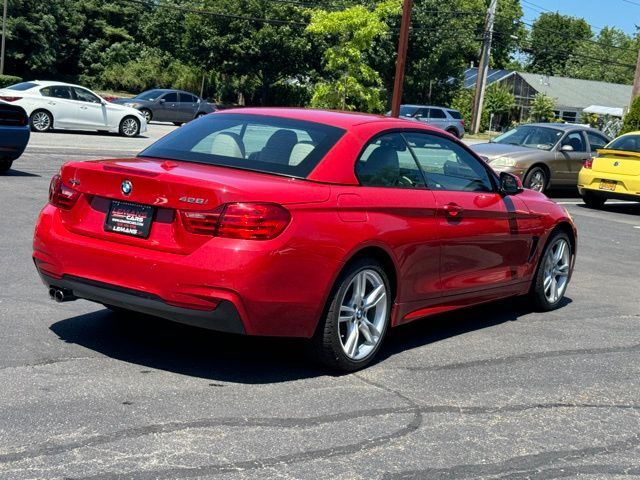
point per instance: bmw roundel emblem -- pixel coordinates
(126, 187)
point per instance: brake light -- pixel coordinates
(248, 221)
(60, 195)
(588, 163)
(464, 125)
(202, 223)
(9, 99)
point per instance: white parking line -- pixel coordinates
(609, 202)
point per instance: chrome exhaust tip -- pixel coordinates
(60, 295)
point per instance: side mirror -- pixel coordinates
(566, 148)
(161, 101)
(510, 184)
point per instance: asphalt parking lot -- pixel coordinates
(491, 392)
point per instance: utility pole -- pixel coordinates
(4, 31)
(636, 82)
(483, 67)
(401, 61)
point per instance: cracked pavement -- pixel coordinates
(492, 392)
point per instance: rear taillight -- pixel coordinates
(588, 163)
(9, 99)
(248, 221)
(60, 195)
(464, 125)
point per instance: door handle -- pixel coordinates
(453, 210)
(83, 107)
(52, 103)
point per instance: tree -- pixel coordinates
(498, 101)
(631, 121)
(610, 57)
(542, 108)
(554, 39)
(351, 83)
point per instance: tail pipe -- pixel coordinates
(61, 294)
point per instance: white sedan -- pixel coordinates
(65, 106)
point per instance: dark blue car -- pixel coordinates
(14, 134)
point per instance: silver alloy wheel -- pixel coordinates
(556, 270)
(537, 181)
(147, 115)
(363, 313)
(41, 121)
(129, 127)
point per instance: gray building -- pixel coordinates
(571, 95)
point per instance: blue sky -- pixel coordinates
(599, 13)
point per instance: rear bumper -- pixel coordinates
(627, 186)
(224, 318)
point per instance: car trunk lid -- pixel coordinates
(169, 187)
(617, 161)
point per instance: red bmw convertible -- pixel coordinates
(291, 222)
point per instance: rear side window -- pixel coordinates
(187, 98)
(251, 142)
(387, 162)
(436, 113)
(57, 91)
(596, 141)
(21, 87)
(455, 114)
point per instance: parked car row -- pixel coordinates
(446, 119)
(167, 105)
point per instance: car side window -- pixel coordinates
(171, 97)
(436, 113)
(83, 95)
(576, 140)
(387, 162)
(447, 165)
(596, 141)
(57, 91)
(187, 98)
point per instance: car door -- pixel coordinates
(167, 109)
(482, 246)
(58, 99)
(90, 111)
(395, 196)
(188, 106)
(437, 118)
(576, 157)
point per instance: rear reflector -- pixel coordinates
(9, 99)
(249, 221)
(60, 195)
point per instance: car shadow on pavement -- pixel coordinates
(92, 133)
(19, 173)
(163, 345)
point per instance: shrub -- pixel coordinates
(631, 121)
(6, 80)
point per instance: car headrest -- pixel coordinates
(228, 144)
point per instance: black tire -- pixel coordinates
(41, 121)
(147, 114)
(327, 346)
(199, 114)
(593, 201)
(5, 166)
(537, 297)
(453, 132)
(537, 179)
(177, 124)
(127, 129)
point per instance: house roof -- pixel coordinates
(567, 92)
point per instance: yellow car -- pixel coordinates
(613, 173)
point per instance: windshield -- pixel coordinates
(530, 136)
(251, 142)
(22, 86)
(628, 143)
(149, 95)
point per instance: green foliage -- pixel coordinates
(554, 39)
(499, 99)
(590, 119)
(542, 108)
(351, 84)
(631, 121)
(6, 80)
